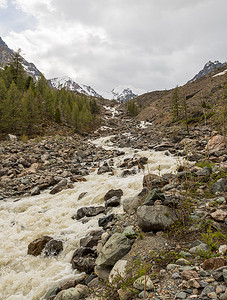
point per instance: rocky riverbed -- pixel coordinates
(79, 210)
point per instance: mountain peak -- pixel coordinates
(71, 85)
(208, 68)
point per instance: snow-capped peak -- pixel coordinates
(123, 93)
(69, 84)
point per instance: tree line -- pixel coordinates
(27, 105)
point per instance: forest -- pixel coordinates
(27, 105)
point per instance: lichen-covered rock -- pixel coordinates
(117, 246)
(155, 218)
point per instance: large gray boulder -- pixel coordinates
(155, 218)
(115, 248)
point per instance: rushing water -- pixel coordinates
(27, 277)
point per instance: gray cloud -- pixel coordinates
(105, 43)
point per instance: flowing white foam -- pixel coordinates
(27, 277)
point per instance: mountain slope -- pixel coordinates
(5, 57)
(203, 96)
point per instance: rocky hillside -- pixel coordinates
(5, 57)
(204, 97)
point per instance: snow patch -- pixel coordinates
(220, 74)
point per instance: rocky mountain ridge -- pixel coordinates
(207, 69)
(71, 85)
(5, 57)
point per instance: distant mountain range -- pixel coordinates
(6, 55)
(207, 69)
(121, 93)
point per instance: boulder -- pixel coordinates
(102, 272)
(216, 143)
(119, 269)
(131, 204)
(200, 247)
(91, 239)
(36, 247)
(141, 281)
(89, 211)
(220, 186)
(12, 138)
(113, 193)
(59, 186)
(79, 292)
(151, 181)
(117, 246)
(105, 220)
(214, 263)
(84, 260)
(155, 194)
(113, 202)
(35, 191)
(103, 169)
(53, 247)
(219, 215)
(155, 218)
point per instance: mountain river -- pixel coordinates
(24, 276)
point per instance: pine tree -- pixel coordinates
(175, 107)
(132, 108)
(3, 92)
(30, 113)
(17, 70)
(11, 112)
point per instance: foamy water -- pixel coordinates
(27, 277)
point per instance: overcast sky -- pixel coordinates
(148, 44)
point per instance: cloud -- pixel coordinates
(3, 4)
(105, 43)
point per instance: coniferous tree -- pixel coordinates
(30, 113)
(175, 104)
(3, 92)
(11, 112)
(132, 108)
(17, 70)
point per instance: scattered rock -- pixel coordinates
(36, 247)
(59, 187)
(53, 247)
(89, 211)
(105, 220)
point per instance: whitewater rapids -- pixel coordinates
(24, 276)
